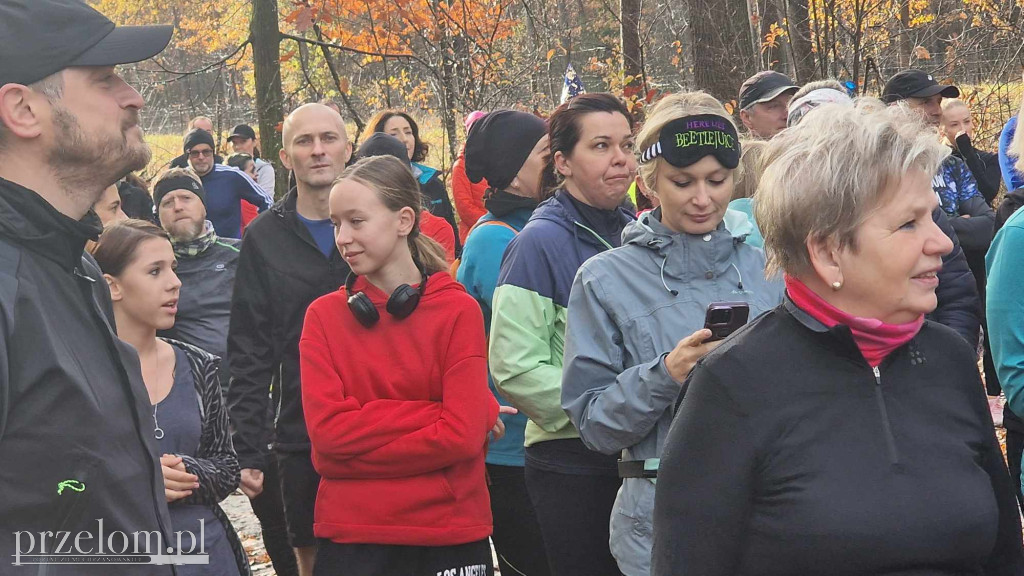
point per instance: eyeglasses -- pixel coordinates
(199, 153)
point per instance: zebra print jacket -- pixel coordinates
(215, 463)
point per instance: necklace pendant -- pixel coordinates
(158, 432)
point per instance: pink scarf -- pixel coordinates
(874, 338)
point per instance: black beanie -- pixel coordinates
(178, 182)
(198, 136)
(498, 144)
(381, 144)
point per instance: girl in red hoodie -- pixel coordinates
(394, 388)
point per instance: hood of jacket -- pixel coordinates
(30, 221)
(701, 255)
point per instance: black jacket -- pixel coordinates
(280, 272)
(959, 305)
(983, 165)
(1010, 204)
(791, 455)
(204, 305)
(437, 203)
(76, 431)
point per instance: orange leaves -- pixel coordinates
(921, 53)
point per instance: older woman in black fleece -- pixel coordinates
(841, 433)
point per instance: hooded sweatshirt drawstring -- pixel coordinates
(739, 285)
(664, 260)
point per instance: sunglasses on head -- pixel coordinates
(684, 141)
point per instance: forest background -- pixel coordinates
(251, 61)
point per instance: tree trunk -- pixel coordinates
(798, 28)
(632, 69)
(722, 55)
(906, 46)
(266, 56)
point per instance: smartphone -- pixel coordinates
(724, 318)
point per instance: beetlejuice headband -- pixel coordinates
(686, 140)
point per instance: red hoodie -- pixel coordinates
(398, 416)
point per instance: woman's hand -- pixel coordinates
(498, 432)
(178, 483)
(687, 352)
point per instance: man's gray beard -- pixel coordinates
(87, 167)
(189, 235)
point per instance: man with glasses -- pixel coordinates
(225, 186)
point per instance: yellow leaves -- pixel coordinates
(551, 54)
(730, 106)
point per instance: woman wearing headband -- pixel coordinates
(636, 313)
(841, 433)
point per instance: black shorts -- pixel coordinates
(472, 559)
(299, 484)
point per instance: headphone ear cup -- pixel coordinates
(363, 309)
(403, 301)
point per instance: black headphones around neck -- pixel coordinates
(402, 302)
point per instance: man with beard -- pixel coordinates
(206, 265)
(76, 435)
(226, 187)
(288, 260)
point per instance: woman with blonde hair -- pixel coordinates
(842, 432)
(636, 313)
(394, 391)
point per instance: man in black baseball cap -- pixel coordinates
(920, 91)
(764, 100)
(76, 428)
(970, 216)
(243, 139)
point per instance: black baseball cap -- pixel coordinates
(764, 86)
(41, 37)
(915, 84)
(242, 131)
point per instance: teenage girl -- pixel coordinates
(190, 422)
(394, 389)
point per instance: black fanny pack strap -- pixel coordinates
(635, 469)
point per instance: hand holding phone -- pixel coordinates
(687, 352)
(724, 318)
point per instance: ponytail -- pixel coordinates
(427, 252)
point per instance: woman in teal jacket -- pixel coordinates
(509, 150)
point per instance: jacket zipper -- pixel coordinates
(595, 234)
(886, 426)
(112, 349)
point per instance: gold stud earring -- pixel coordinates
(837, 285)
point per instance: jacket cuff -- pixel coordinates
(662, 367)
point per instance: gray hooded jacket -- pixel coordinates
(628, 309)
